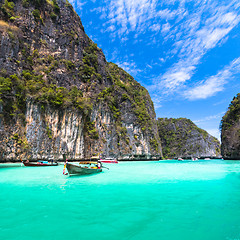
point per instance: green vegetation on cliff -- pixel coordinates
(16, 90)
(182, 138)
(128, 94)
(125, 88)
(230, 130)
(48, 61)
(232, 115)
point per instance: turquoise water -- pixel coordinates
(133, 200)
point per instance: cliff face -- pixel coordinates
(182, 138)
(59, 95)
(230, 131)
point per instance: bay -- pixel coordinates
(132, 200)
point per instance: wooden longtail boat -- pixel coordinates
(84, 168)
(109, 160)
(39, 164)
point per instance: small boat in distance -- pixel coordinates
(109, 160)
(180, 159)
(39, 163)
(83, 168)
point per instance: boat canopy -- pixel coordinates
(88, 162)
(43, 161)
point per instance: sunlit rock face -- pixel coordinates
(58, 94)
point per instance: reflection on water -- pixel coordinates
(10, 165)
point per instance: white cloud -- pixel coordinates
(176, 77)
(134, 15)
(111, 28)
(195, 36)
(149, 66)
(165, 28)
(155, 27)
(156, 101)
(207, 89)
(214, 84)
(166, 14)
(209, 118)
(188, 34)
(129, 66)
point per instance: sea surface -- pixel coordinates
(162, 200)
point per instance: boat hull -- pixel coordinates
(32, 164)
(79, 170)
(108, 161)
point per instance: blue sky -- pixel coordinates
(185, 52)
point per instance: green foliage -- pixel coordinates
(8, 9)
(121, 131)
(37, 16)
(9, 5)
(91, 48)
(86, 72)
(90, 56)
(35, 53)
(49, 132)
(34, 85)
(90, 59)
(141, 107)
(12, 19)
(69, 64)
(21, 141)
(203, 133)
(29, 84)
(19, 89)
(105, 93)
(5, 85)
(154, 144)
(125, 88)
(75, 94)
(89, 69)
(176, 135)
(232, 115)
(15, 136)
(53, 16)
(13, 104)
(25, 3)
(125, 97)
(56, 8)
(55, 95)
(229, 127)
(129, 89)
(91, 130)
(113, 105)
(37, 3)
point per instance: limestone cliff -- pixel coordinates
(59, 95)
(182, 138)
(230, 131)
